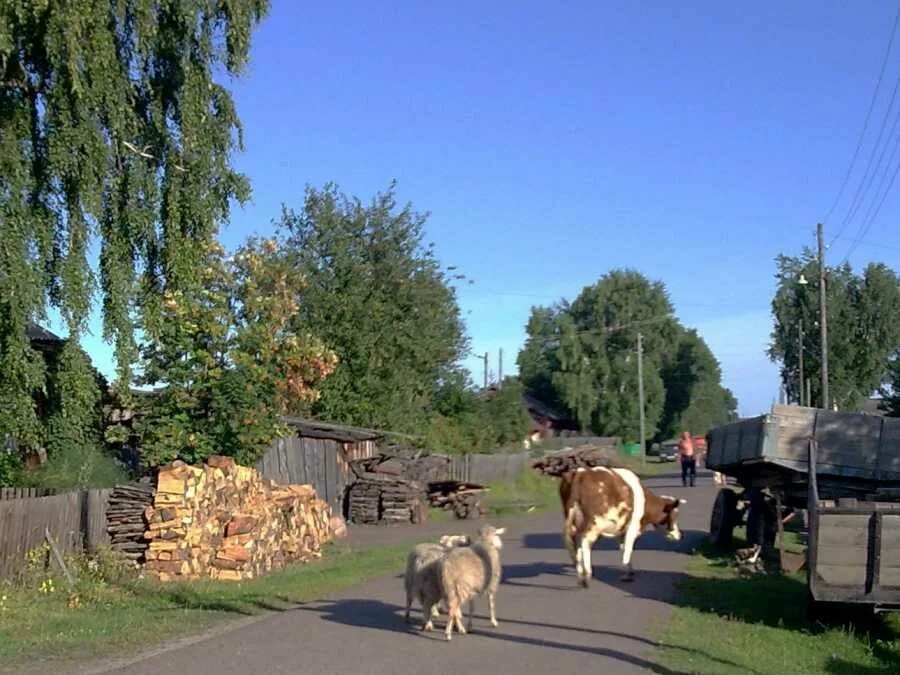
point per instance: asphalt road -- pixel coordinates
(547, 623)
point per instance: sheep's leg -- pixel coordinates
(459, 619)
(409, 599)
(493, 609)
(452, 611)
(471, 613)
(428, 611)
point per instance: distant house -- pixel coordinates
(42, 339)
(546, 422)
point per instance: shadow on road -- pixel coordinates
(374, 614)
(649, 541)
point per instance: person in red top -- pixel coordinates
(688, 459)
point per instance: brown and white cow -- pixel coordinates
(611, 502)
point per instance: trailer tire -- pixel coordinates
(724, 518)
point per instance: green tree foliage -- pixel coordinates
(536, 361)
(114, 132)
(74, 389)
(863, 327)
(890, 392)
(583, 355)
(231, 360)
(376, 294)
(466, 420)
(695, 399)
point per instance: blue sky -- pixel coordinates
(554, 142)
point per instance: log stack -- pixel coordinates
(464, 499)
(224, 521)
(126, 518)
(569, 459)
(413, 466)
(378, 497)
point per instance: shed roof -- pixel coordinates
(37, 333)
(336, 432)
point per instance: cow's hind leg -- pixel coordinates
(628, 549)
(585, 572)
(569, 539)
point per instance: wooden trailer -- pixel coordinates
(843, 469)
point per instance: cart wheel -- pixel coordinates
(724, 518)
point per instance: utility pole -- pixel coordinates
(500, 369)
(823, 315)
(640, 364)
(485, 359)
(808, 392)
(800, 352)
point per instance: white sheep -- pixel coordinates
(462, 574)
(422, 558)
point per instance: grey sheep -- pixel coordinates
(462, 574)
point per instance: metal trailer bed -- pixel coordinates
(851, 495)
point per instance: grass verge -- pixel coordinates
(725, 622)
(130, 613)
(528, 491)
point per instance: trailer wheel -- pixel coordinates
(724, 518)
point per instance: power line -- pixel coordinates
(613, 329)
(865, 127)
(869, 175)
(862, 133)
(865, 231)
(881, 192)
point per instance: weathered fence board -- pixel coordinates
(488, 468)
(28, 493)
(320, 462)
(75, 519)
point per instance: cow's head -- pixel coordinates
(665, 516)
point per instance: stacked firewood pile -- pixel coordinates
(383, 492)
(569, 459)
(224, 521)
(126, 518)
(464, 499)
(375, 498)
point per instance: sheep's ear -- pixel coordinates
(500, 530)
(682, 501)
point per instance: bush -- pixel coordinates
(468, 422)
(75, 466)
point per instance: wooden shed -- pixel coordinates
(319, 453)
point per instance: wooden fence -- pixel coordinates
(323, 463)
(26, 493)
(75, 519)
(488, 468)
